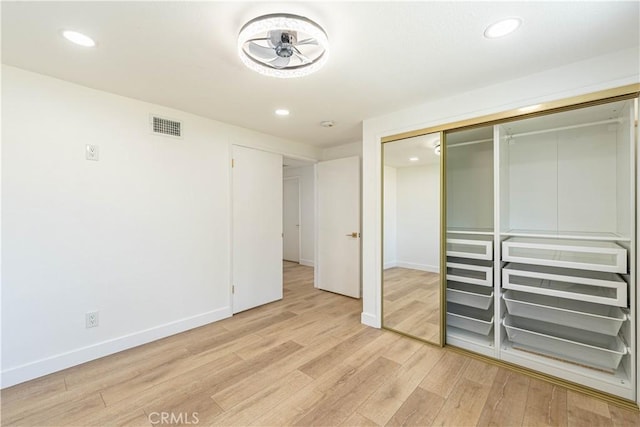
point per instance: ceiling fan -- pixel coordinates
(283, 45)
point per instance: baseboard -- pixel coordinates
(307, 262)
(390, 264)
(421, 267)
(370, 320)
(46, 366)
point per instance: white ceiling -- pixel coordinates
(385, 56)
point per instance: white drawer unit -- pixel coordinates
(470, 319)
(569, 344)
(475, 272)
(470, 246)
(470, 295)
(589, 286)
(602, 319)
(578, 254)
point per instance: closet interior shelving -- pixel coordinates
(541, 244)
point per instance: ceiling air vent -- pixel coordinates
(167, 127)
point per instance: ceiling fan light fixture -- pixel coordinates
(78, 38)
(502, 28)
(283, 45)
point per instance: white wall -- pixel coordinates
(390, 217)
(306, 174)
(142, 235)
(341, 151)
(599, 73)
(418, 216)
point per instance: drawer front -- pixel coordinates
(469, 273)
(468, 248)
(593, 258)
(581, 288)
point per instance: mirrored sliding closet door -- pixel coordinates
(411, 286)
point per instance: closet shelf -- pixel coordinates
(578, 254)
(465, 339)
(581, 285)
(471, 295)
(597, 318)
(470, 246)
(470, 230)
(573, 235)
(470, 319)
(572, 345)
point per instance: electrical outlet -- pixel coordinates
(92, 152)
(91, 319)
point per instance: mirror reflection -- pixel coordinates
(411, 300)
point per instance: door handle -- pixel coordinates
(355, 235)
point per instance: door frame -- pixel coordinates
(297, 179)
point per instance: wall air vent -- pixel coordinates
(167, 127)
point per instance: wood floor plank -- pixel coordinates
(320, 364)
(390, 396)
(546, 405)
(464, 405)
(419, 409)
(252, 384)
(624, 417)
(357, 420)
(248, 410)
(445, 374)
(585, 410)
(506, 401)
(336, 407)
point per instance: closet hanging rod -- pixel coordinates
(537, 132)
(462, 144)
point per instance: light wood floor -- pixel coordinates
(411, 302)
(305, 360)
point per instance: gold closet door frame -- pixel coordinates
(573, 103)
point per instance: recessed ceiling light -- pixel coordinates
(502, 28)
(282, 112)
(78, 38)
(529, 108)
(413, 159)
(327, 124)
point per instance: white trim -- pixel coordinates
(390, 264)
(307, 262)
(55, 363)
(370, 320)
(421, 267)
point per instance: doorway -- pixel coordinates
(291, 219)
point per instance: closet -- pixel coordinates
(541, 252)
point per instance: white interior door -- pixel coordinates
(291, 220)
(338, 226)
(257, 228)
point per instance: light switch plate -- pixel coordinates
(92, 152)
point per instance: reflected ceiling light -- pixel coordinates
(78, 38)
(529, 108)
(502, 28)
(282, 112)
(283, 45)
(413, 159)
(436, 149)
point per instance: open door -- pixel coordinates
(338, 225)
(291, 220)
(257, 228)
